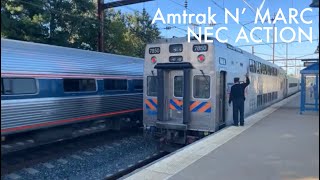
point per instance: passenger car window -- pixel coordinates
(201, 86)
(269, 70)
(15, 86)
(115, 84)
(137, 84)
(252, 66)
(178, 86)
(258, 67)
(79, 85)
(264, 68)
(152, 85)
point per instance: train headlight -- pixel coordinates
(153, 59)
(201, 58)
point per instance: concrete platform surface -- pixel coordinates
(276, 143)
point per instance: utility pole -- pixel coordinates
(273, 43)
(287, 58)
(101, 7)
(101, 26)
(253, 50)
(295, 67)
(186, 8)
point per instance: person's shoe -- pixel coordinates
(241, 124)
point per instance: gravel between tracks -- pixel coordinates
(95, 162)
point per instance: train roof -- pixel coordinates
(216, 43)
(35, 58)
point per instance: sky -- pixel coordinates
(295, 49)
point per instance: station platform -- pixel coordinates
(276, 143)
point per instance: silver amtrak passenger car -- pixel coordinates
(56, 92)
(187, 85)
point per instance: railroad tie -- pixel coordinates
(13, 176)
(77, 157)
(87, 153)
(20, 143)
(98, 149)
(31, 171)
(6, 146)
(63, 161)
(48, 165)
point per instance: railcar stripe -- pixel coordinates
(172, 107)
(205, 107)
(175, 105)
(178, 102)
(153, 103)
(198, 107)
(208, 110)
(68, 120)
(149, 105)
(194, 104)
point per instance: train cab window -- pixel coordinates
(201, 86)
(115, 85)
(137, 84)
(15, 86)
(252, 66)
(178, 86)
(79, 85)
(152, 85)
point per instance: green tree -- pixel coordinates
(23, 21)
(73, 23)
(140, 32)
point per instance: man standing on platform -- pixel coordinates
(237, 98)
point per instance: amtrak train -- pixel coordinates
(187, 86)
(52, 92)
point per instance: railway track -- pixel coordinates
(107, 155)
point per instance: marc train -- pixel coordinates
(187, 86)
(51, 92)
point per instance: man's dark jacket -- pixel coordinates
(237, 91)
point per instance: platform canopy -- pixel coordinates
(312, 69)
(310, 92)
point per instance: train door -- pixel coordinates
(174, 93)
(222, 99)
(174, 96)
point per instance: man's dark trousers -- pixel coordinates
(238, 106)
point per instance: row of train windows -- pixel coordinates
(293, 85)
(201, 86)
(266, 98)
(260, 68)
(15, 86)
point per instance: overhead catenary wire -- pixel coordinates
(275, 43)
(248, 29)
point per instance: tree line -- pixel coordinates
(74, 23)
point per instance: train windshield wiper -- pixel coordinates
(207, 81)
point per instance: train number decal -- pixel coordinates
(154, 50)
(200, 48)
